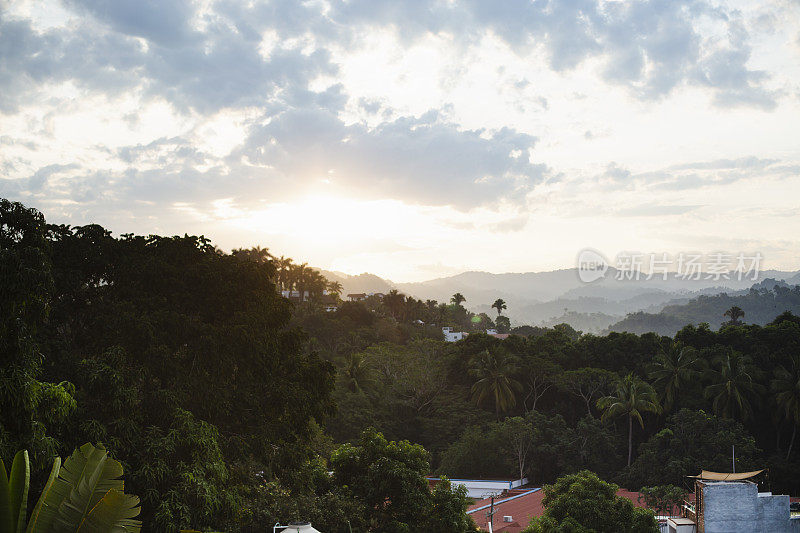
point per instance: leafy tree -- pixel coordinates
(458, 299)
(394, 301)
(733, 387)
(31, 411)
(665, 499)
(503, 324)
(494, 371)
(357, 372)
(672, 369)
(584, 503)
(690, 442)
(786, 388)
(632, 398)
(500, 305)
(538, 375)
(587, 383)
(388, 478)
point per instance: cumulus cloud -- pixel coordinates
(423, 159)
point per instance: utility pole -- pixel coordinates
(733, 459)
(490, 515)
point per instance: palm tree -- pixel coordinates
(458, 299)
(499, 304)
(394, 301)
(733, 386)
(673, 368)
(632, 397)
(357, 372)
(786, 387)
(300, 274)
(735, 314)
(494, 372)
(335, 288)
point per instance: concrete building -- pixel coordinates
(731, 503)
(453, 336)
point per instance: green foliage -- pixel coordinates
(388, 479)
(584, 503)
(547, 444)
(14, 487)
(632, 398)
(692, 441)
(665, 499)
(85, 495)
(27, 406)
(734, 388)
(672, 370)
(494, 372)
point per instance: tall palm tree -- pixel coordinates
(284, 266)
(673, 368)
(458, 299)
(733, 386)
(499, 304)
(300, 275)
(494, 372)
(735, 314)
(632, 397)
(786, 387)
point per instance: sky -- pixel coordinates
(412, 139)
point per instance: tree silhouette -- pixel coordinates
(458, 299)
(735, 314)
(786, 387)
(673, 368)
(632, 397)
(394, 301)
(733, 386)
(499, 304)
(494, 372)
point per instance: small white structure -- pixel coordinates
(295, 527)
(491, 331)
(681, 525)
(453, 336)
(483, 488)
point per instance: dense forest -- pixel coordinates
(230, 406)
(761, 304)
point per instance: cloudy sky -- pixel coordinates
(411, 139)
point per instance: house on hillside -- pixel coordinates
(357, 297)
(453, 336)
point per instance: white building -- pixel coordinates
(453, 336)
(483, 488)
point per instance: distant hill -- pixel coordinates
(761, 304)
(538, 298)
(366, 283)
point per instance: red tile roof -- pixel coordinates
(522, 505)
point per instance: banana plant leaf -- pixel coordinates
(114, 513)
(43, 516)
(18, 485)
(6, 520)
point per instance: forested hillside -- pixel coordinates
(230, 406)
(760, 305)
